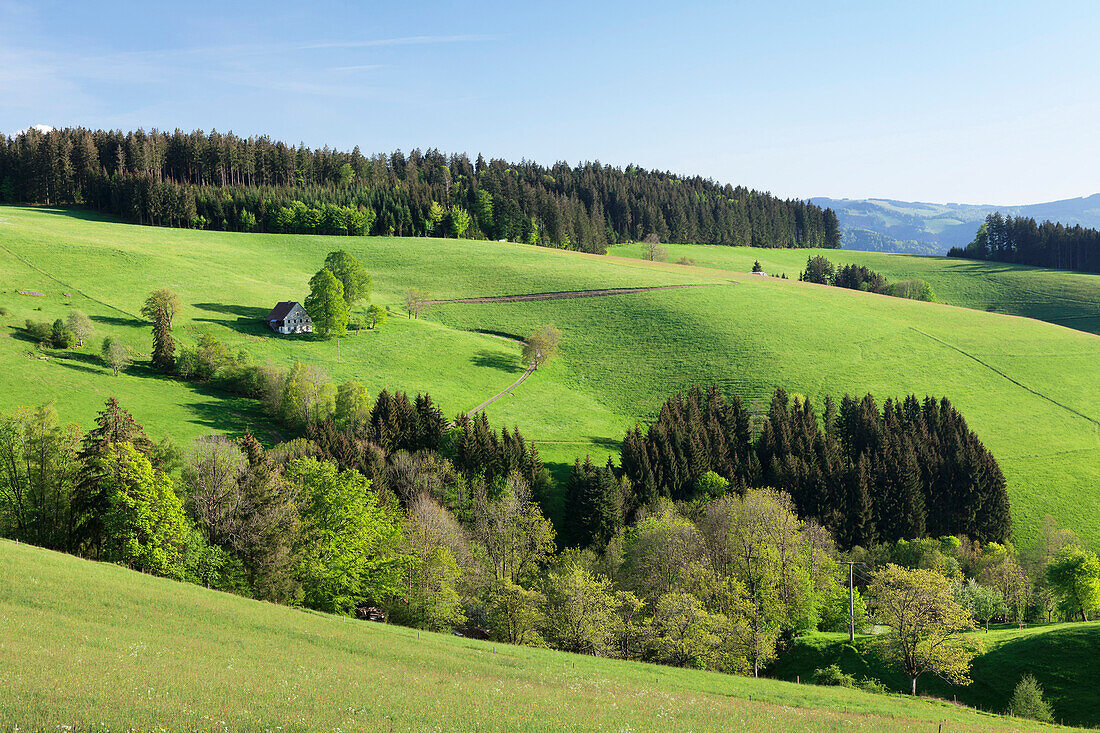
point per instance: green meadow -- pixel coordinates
(1060, 656)
(1026, 386)
(87, 646)
(1067, 298)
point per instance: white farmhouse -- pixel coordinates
(289, 317)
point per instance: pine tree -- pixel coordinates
(90, 502)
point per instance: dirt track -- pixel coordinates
(567, 294)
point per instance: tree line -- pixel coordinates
(912, 469)
(225, 182)
(441, 529)
(860, 277)
(1021, 241)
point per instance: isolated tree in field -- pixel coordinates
(926, 624)
(376, 316)
(115, 354)
(80, 326)
(351, 274)
(161, 307)
(541, 346)
(1027, 701)
(416, 302)
(1075, 576)
(652, 249)
(326, 305)
(756, 267)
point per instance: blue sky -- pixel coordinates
(975, 102)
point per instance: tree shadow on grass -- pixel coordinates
(218, 410)
(492, 360)
(245, 311)
(249, 320)
(119, 321)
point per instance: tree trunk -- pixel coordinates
(913, 689)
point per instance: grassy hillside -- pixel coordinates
(1067, 298)
(86, 645)
(1060, 656)
(1027, 387)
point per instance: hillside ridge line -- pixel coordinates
(568, 294)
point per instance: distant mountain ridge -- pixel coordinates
(886, 225)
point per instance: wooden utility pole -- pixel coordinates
(852, 599)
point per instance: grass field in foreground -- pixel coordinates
(95, 646)
(1067, 298)
(1027, 387)
(1061, 656)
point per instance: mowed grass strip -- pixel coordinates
(91, 645)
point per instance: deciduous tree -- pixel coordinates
(926, 624)
(326, 305)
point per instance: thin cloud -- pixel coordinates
(359, 67)
(406, 41)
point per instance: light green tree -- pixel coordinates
(376, 316)
(326, 305)
(435, 217)
(80, 326)
(1074, 574)
(541, 346)
(352, 402)
(458, 220)
(926, 624)
(582, 612)
(38, 476)
(146, 528)
(351, 274)
(515, 614)
(983, 601)
(349, 550)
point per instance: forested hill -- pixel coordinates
(225, 182)
(1023, 242)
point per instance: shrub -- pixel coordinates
(3, 311)
(40, 331)
(914, 289)
(1027, 701)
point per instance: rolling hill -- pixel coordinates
(86, 645)
(1027, 387)
(922, 228)
(1058, 655)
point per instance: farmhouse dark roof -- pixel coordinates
(280, 311)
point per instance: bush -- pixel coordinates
(3, 311)
(914, 289)
(834, 676)
(40, 331)
(1027, 701)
